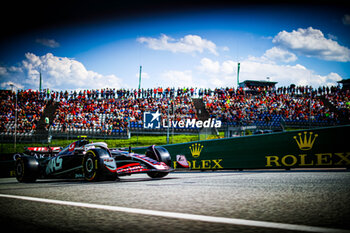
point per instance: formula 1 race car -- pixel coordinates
(92, 161)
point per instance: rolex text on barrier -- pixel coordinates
(201, 164)
(305, 142)
(314, 148)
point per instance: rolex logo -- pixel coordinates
(307, 142)
(196, 149)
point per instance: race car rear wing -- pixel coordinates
(44, 151)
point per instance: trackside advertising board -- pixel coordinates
(314, 148)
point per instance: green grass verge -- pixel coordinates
(134, 141)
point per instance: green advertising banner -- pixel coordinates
(315, 148)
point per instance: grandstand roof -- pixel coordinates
(257, 83)
(346, 83)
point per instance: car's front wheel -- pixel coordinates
(90, 166)
(157, 174)
(93, 166)
(159, 154)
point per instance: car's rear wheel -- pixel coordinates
(26, 169)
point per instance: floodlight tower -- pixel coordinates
(140, 78)
(40, 81)
(239, 64)
(13, 87)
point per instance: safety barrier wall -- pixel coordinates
(7, 165)
(314, 148)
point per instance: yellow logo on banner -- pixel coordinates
(196, 149)
(307, 142)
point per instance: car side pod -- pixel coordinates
(182, 162)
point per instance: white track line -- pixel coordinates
(193, 217)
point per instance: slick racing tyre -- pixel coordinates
(27, 169)
(93, 169)
(157, 174)
(159, 154)
(91, 166)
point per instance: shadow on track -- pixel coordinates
(145, 179)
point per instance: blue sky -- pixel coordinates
(200, 48)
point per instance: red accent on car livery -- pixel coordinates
(147, 159)
(129, 165)
(131, 168)
(71, 147)
(43, 149)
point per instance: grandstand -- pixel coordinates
(118, 113)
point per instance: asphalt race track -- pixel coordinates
(232, 201)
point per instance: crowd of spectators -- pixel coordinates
(109, 93)
(30, 106)
(112, 110)
(340, 100)
(269, 106)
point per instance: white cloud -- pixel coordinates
(187, 44)
(346, 19)
(58, 73)
(11, 85)
(51, 43)
(175, 78)
(228, 67)
(332, 37)
(275, 55)
(311, 42)
(278, 54)
(209, 66)
(225, 49)
(285, 74)
(214, 68)
(144, 75)
(224, 74)
(3, 71)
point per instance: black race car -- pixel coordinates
(92, 161)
